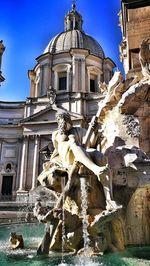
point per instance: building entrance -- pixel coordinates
(7, 185)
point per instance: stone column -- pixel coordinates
(83, 75)
(35, 163)
(75, 74)
(32, 77)
(19, 165)
(1, 141)
(97, 84)
(23, 169)
(55, 80)
(41, 80)
(37, 86)
(68, 78)
(46, 78)
(88, 73)
(98, 77)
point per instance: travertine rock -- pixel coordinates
(137, 222)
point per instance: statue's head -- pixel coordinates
(64, 121)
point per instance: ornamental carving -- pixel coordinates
(9, 167)
(78, 59)
(132, 124)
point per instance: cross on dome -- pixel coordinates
(74, 5)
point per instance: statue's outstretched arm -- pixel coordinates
(55, 152)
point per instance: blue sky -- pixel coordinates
(26, 27)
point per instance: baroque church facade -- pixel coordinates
(68, 75)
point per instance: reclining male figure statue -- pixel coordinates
(69, 154)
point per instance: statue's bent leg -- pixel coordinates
(104, 178)
(44, 247)
(110, 203)
(72, 173)
(82, 156)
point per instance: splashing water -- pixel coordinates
(82, 261)
(84, 207)
(63, 222)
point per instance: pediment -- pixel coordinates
(48, 114)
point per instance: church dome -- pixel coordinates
(74, 37)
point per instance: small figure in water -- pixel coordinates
(16, 241)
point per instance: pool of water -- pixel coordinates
(32, 234)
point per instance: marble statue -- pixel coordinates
(70, 155)
(75, 156)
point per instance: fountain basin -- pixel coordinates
(32, 234)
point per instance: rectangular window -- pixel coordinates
(7, 185)
(134, 61)
(62, 81)
(92, 85)
(71, 25)
(76, 25)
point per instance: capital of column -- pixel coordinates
(36, 138)
(68, 68)
(25, 138)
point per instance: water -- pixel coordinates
(63, 223)
(84, 206)
(32, 234)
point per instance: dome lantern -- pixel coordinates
(73, 20)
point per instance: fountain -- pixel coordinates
(100, 200)
(86, 199)
(95, 211)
